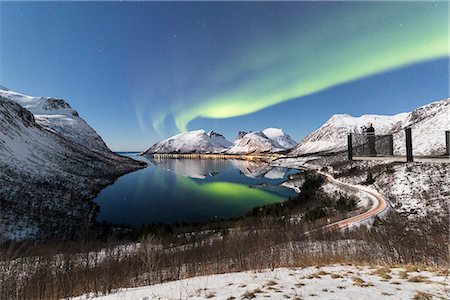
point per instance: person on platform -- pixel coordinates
(370, 134)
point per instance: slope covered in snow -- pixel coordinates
(325, 282)
(57, 116)
(45, 177)
(197, 141)
(428, 125)
(277, 135)
(269, 140)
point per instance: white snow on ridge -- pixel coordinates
(197, 141)
(278, 136)
(428, 124)
(57, 116)
(269, 140)
(332, 136)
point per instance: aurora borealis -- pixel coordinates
(153, 69)
(351, 43)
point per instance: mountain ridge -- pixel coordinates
(270, 140)
(428, 123)
(41, 163)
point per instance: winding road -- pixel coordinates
(379, 204)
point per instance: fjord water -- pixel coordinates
(190, 190)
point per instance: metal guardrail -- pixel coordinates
(370, 145)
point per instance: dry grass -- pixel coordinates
(412, 268)
(422, 296)
(418, 278)
(336, 276)
(271, 283)
(357, 281)
(383, 273)
(403, 275)
(248, 295)
(65, 270)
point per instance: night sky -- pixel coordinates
(140, 72)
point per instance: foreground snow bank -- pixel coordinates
(329, 282)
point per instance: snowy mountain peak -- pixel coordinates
(197, 141)
(278, 136)
(213, 134)
(332, 135)
(241, 134)
(56, 115)
(267, 141)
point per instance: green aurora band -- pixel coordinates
(343, 46)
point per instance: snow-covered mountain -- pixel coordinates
(57, 116)
(46, 178)
(269, 140)
(277, 136)
(428, 125)
(197, 141)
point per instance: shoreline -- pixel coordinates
(216, 156)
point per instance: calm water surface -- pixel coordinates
(177, 190)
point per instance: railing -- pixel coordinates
(370, 145)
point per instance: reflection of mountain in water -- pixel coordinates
(258, 169)
(202, 168)
(194, 168)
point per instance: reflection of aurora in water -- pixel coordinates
(172, 190)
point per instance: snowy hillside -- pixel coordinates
(324, 282)
(197, 141)
(280, 138)
(57, 116)
(269, 140)
(45, 178)
(428, 124)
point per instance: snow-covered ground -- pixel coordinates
(414, 189)
(428, 124)
(327, 282)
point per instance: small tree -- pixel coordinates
(369, 179)
(149, 254)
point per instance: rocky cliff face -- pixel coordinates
(47, 177)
